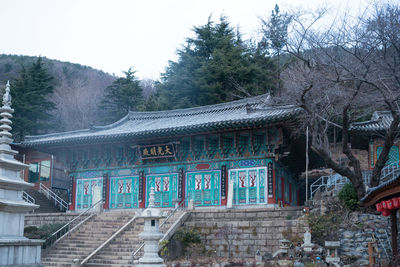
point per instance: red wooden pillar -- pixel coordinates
(393, 220)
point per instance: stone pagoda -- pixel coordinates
(15, 249)
(151, 235)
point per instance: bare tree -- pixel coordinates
(342, 73)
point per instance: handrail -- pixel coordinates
(387, 172)
(94, 252)
(166, 219)
(27, 197)
(50, 194)
(57, 235)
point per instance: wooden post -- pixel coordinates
(393, 220)
(371, 254)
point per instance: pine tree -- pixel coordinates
(30, 92)
(274, 39)
(121, 96)
(214, 66)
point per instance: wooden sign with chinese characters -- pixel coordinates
(105, 181)
(270, 180)
(223, 181)
(71, 188)
(157, 151)
(180, 183)
(141, 184)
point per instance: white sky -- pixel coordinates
(113, 35)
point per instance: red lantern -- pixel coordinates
(389, 204)
(384, 204)
(385, 212)
(395, 202)
(379, 207)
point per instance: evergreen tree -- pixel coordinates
(214, 66)
(30, 101)
(122, 95)
(274, 39)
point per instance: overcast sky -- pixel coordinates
(113, 35)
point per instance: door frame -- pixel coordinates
(236, 185)
(90, 202)
(187, 189)
(135, 180)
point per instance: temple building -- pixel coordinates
(186, 154)
(371, 134)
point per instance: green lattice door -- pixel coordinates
(248, 185)
(165, 189)
(203, 188)
(124, 192)
(88, 192)
(393, 155)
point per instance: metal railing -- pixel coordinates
(336, 181)
(134, 253)
(65, 230)
(28, 198)
(58, 201)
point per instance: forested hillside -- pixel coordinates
(78, 90)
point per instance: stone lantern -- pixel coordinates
(15, 249)
(332, 255)
(151, 235)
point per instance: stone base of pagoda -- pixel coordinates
(20, 252)
(150, 257)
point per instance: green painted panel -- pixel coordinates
(88, 192)
(124, 192)
(165, 189)
(203, 188)
(393, 154)
(249, 185)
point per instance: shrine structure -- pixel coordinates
(186, 154)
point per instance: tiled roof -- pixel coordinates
(380, 121)
(373, 191)
(244, 112)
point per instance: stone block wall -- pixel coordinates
(354, 240)
(248, 230)
(39, 219)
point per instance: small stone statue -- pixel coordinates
(307, 246)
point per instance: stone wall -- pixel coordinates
(354, 239)
(249, 230)
(39, 219)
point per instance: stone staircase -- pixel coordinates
(46, 206)
(85, 239)
(118, 252)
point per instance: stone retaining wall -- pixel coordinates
(250, 230)
(354, 240)
(39, 219)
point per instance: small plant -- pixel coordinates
(42, 232)
(254, 233)
(228, 233)
(324, 227)
(164, 248)
(187, 236)
(348, 197)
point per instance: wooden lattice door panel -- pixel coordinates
(124, 192)
(249, 185)
(165, 189)
(88, 192)
(203, 188)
